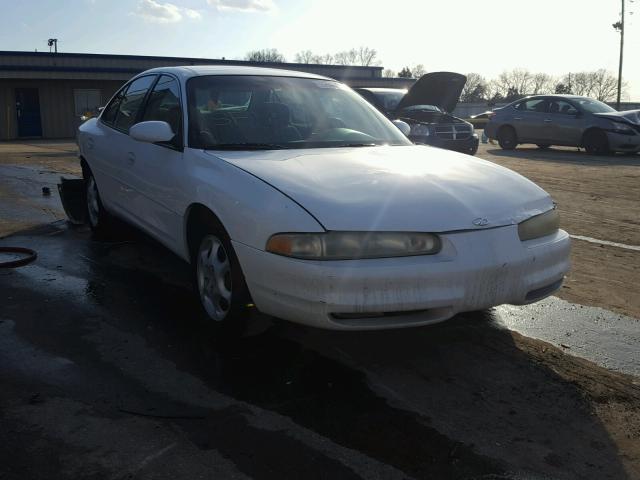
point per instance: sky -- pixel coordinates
(487, 37)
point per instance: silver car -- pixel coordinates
(566, 120)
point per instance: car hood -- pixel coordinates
(396, 188)
(441, 89)
(632, 116)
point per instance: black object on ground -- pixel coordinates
(73, 197)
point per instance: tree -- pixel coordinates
(475, 89)
(388, 73)
(605, 85)
(364, 56)
(405, 73)
(305, 56)
(265, 55)
(514, 83)
(418, 70)
(563, 89)
(542, 84)
(367, 56)
(347, 57)
(599, 84)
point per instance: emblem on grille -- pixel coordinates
(481, 222)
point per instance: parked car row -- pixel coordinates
(289, 191)
(566, 120)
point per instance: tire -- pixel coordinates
(596, 143)
(543, 146)
(97, 216)
(507, 138)
(218, 281)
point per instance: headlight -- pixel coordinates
(420, 130)
(539, 226)
(352, 245)
(622, 129)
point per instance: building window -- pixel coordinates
(87, 102)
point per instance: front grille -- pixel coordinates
(454, 131)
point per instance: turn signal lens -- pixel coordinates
(353, 245)
(539, 226)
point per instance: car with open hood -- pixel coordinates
(427, 108)
(289, 192)
(565, 120)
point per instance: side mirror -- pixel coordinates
(403, 127)
(151, 132)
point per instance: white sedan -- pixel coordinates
(289, 191)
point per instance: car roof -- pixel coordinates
(189, 71)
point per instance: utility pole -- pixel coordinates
(620, 27)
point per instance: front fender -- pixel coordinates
(249, 209)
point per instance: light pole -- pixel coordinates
(53, 42)
(619, 26)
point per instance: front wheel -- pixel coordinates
(507, 138)
(596, 142)
(219, 283)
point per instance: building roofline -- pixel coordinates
(191, 60)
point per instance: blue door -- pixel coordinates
(28, 112)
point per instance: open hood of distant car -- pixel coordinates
(441, 89)
(632, 116)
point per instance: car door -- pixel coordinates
(567, 123)
(108, 145)
(529, 120)
(157, 168)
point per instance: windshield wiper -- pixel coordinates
(245, 146)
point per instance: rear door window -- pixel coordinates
(562, 107)
(131, 102)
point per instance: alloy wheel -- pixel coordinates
(214, 278)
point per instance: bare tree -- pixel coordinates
(265, 55)
(367, 56)
(347, 57)
(542, 84)
(514, 83)
(475, 89)
(305, 56)
(364, 56)
(388, 73)
(326, 59)
(605, 85)
(599, 84)
(418, 70)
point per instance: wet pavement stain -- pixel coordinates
(135, 286)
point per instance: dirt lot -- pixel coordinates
(106, 374)
(598, 197)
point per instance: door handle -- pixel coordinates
(131, 158)
(517, 118)
(547, 120)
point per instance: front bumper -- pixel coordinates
(623, 143)
(467, 145)
(474, 270)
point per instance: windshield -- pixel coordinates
(592, 106)
(265, 112)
